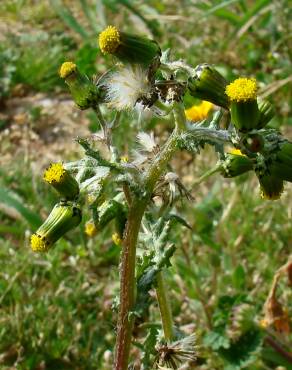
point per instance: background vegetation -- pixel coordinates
(56, 309)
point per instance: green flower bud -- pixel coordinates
(108, 211)
(245, 113)
(235, 165)
(62, 181)
(281, 163)
(84, 92)
(128, 48)
(267, 112)
(271, 186)
(208, 84)
(63, 218)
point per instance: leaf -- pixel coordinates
(11, 200)
(239, 277)
(149, 348)
(216, 340)
(243, 352)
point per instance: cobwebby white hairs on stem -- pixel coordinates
(125, 86)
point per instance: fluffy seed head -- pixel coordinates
(126, 86)
(242, 89)
(38, 244)
(54, 173)
(109, 40)
(66, 69)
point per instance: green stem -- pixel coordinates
(207, 174)
(128, 257)
(164, 307)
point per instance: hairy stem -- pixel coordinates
(164, 307)
(128, 257)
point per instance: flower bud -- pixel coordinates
(208, 84)
(128, 48)
(281, 164)
(63, 218)
(62, 181)
(245, 113)
(271, 186)
(110, 210)
(84, 92)
(235, 165)
(267, 112)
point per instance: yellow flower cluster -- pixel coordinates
(66, 69)
(55, 173)
(38, 244)
(116, 239)
(198, 112)
(109, 40)
(242, 89)
(90, 229)
(236, 152)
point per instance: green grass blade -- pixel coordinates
(258, 6)
(220, 12)
(90, 15)
(10, 200)
(68, 18)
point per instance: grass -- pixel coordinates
(56, 310)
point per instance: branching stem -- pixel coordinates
(128, 257)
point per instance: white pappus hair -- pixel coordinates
(125, 86)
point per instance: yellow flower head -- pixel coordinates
(90, 229)
(109, 40)
(38, 244)
(116, 239)
(271, 195)
(198, 112)
(54, 173)
(66, 69)
(236, 152)
(124, 159)
(242, 89)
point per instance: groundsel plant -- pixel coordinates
(143, 77)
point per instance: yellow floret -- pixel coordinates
(242, 89)
(109, 40)
(38, 244)
(55, 173)
(66, 69)
(116, 239)
(90, 229)
(198, 112)
(236, 152)
(271, 196)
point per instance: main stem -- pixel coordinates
(128, 257)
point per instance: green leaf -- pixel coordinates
(11, 200)
(243, 352)
(239, 277)
(216, 340)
